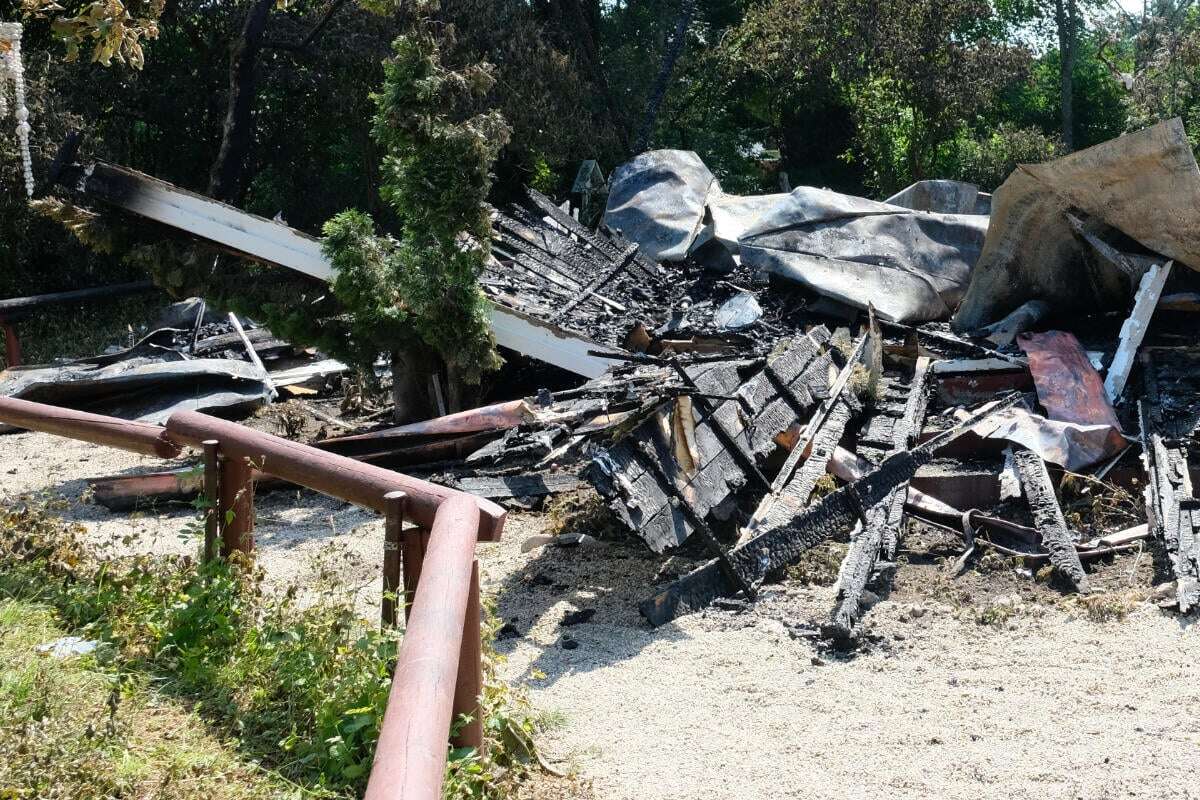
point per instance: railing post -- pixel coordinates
(393, 535)
(412, 551)
(12, 345)
(235, 493)
(469, 684)
(212, 519)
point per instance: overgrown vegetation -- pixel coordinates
(298, 688)
(78, 727)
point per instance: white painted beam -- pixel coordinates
(1134, 329)
(276, 243)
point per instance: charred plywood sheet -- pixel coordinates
(790, 385)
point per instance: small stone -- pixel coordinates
(578, 617)
(577, 540)
(817, 661)
(508, 631)
(569, 644)
(534, 542)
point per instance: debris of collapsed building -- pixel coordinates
(761, 374)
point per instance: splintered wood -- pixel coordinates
(755, 559)
(879, 536)
(1048, 518)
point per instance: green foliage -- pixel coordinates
(423, 283)
(112, 29)
(301, 687)
(989, 160)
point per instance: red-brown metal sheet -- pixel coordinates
(1067, 384)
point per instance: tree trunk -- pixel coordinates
(410, 386)
(227, 180)
(659, 90)
(1065, 19)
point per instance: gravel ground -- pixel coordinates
(1042, 702)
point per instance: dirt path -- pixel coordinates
(1039, 703)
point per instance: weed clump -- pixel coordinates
(583, 511)
(819, 565)
(301, 689)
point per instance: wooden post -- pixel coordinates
(393, 535)
(12, 345)
(412, 555)
(235, 493)
(469, 685)
(212, 520)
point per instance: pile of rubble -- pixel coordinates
(760, 374)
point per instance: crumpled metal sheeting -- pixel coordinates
(1068, 444)
(143, 389)
(657, 201)
(911, 266)
(1144, 184)
(732, 214)
(942, 196)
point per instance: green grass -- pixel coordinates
(76, 727)
(297, 691)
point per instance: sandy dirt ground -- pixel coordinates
(1037, 701)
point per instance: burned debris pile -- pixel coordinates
(757, 375)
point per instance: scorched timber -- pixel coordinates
(1048, 517)
(780, 547)
(1171, 509)
(880, 534)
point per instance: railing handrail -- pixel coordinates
(339, 476)
(137, 437)
(410, 756)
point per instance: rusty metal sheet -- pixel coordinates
(1067, 384)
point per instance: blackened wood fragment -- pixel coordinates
(880, 534)
(776, 549)
(1048, 517)
(1169, 488)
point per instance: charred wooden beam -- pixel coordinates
(793, 485)
(1169, 504)
(880, 534)
(599, 281)
(1048, 517)
(778, 548)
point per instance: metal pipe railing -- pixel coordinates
(439, 669)
(410, 757)
(353, 481)
(138, 437)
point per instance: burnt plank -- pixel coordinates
(1048, 517)
(880, 533)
